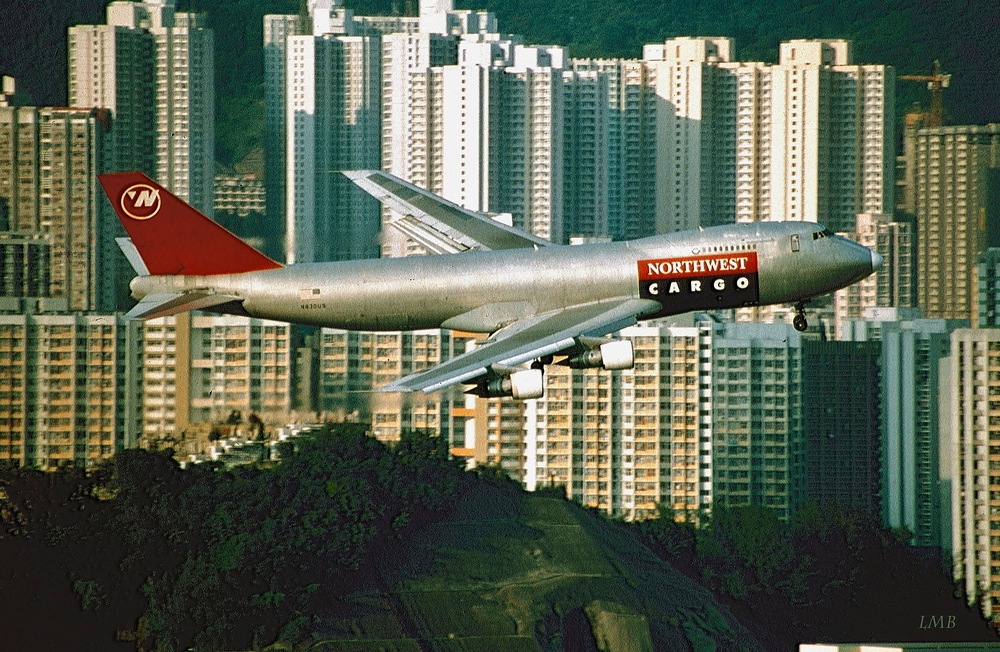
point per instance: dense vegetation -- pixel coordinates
(146, 556)
(203, 557)
(908, 34)
(826, 576)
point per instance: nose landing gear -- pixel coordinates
(799, 321)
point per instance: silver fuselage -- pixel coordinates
(483, 290)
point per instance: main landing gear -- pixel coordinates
(799, 321)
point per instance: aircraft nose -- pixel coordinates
(876, 261)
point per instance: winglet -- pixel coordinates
(170, 236)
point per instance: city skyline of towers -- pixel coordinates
(49, 159)
(154, 68)
(806, 139)
(579, 148)
(623, 200)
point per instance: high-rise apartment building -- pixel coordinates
(353, 365)
(807, 139)
(840, 425)
(333, 118)
(277, 29)
(625, 442)
(709, 412)
(486, 132)
(688, 126)
(185, 103)
(49, 161)
(956, 174)
(892, 286)
(910, 446)
(631, 148)
(527, 127)
(198, 369)
(320, 17)
(69, 389)
(970, 464)
(153, 67)
(757, 453)
(112, 66)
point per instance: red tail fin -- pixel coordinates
(171, 236)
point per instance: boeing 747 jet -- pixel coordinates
(538, 301)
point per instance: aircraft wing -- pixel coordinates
(436, 223)
(527, 339)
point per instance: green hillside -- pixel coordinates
(348, 544)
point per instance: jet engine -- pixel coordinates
(520, 385)
(614, 354)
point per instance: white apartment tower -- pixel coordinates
(630, 136)
(502, 149)
(111, 66)
(970, 455)
(894, 285)
(808, 139)
(333, 123)
(185, 100)
(527, 130)
(150, 56)
(686, 73)
(586, 163)
(832, 135)
(277, 28)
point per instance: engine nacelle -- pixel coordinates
(520, 385)
(616, 354)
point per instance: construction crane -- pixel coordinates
(935, 82)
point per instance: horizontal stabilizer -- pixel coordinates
(162, 305)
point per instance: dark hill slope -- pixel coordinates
(511, 571)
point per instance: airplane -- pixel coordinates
(538, 301)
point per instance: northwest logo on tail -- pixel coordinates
(140, 201)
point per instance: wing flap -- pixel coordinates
(439, 218)
(527, 339)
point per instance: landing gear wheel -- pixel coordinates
(799, 322)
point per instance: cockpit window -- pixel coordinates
(825, 233)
